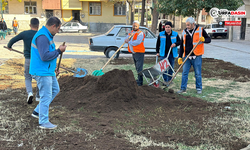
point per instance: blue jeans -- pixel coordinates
(196, 63)
(169, 71)
(48, 89)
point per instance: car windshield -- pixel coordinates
(217, 26)
(109, 30)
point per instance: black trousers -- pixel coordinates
(139, 60)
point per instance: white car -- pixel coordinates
(115, 37)
(73, 27)
(214, 30)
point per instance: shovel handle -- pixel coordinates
(115, 53)
(60, 59)
(67, 69)
(11, 49)
(183, 63)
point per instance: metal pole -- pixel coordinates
(230, 38)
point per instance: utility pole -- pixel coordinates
(230, 38)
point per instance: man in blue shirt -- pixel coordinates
(27, 37)
(43, 67)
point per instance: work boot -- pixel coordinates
(47, 125)
(181, 91)
(30, 98)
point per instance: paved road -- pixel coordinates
(236, 52)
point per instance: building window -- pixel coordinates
(30, 7)
(203, 18)
(95, 8)
(119, 9)
(6, 7)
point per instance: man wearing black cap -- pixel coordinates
(168, 40)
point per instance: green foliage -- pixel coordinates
(190, 7)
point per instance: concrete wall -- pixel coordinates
(16, 9)
(103, 22)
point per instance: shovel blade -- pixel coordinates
(80, 73)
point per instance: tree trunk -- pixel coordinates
(142, 12)
(155, 17)
(197, 16)
(132, 9)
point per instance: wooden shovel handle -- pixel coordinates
(11, 49)
(115, 53)
(183, 63)
(60, 59)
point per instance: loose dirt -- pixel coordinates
(97, 113)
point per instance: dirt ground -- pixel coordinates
(103, 112)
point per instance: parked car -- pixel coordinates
(115, 37)
(162, 22)
(73, 27)
(214, 30)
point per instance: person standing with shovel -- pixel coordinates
(190, 37)
(43, 67)
(136, 47)
(27, 36)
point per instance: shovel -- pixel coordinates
(99, 72)
(183, 64)
(80, 73)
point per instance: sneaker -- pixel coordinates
(30, 98)
(47, 126)
(181, 91)
(35, 115)
(199, 91)
(37, 99)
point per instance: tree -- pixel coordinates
(155, 16)
(142, 12)
(193, 7)
(132, 8)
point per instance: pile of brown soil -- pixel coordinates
(117, 91)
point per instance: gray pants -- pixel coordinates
(139, 60)
(28, 78)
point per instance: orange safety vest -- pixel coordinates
(139, 48)
(199, 50)
(15, 24)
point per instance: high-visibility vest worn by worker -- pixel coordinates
(139, 48)
(199, 50)
(37, 66)
(163, 43)
(15, 23)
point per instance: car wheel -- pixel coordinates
(80, 31)
(210, 35)
(110, 51)
(61, 31)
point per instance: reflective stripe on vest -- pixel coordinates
(199, 50)
(139, 48)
